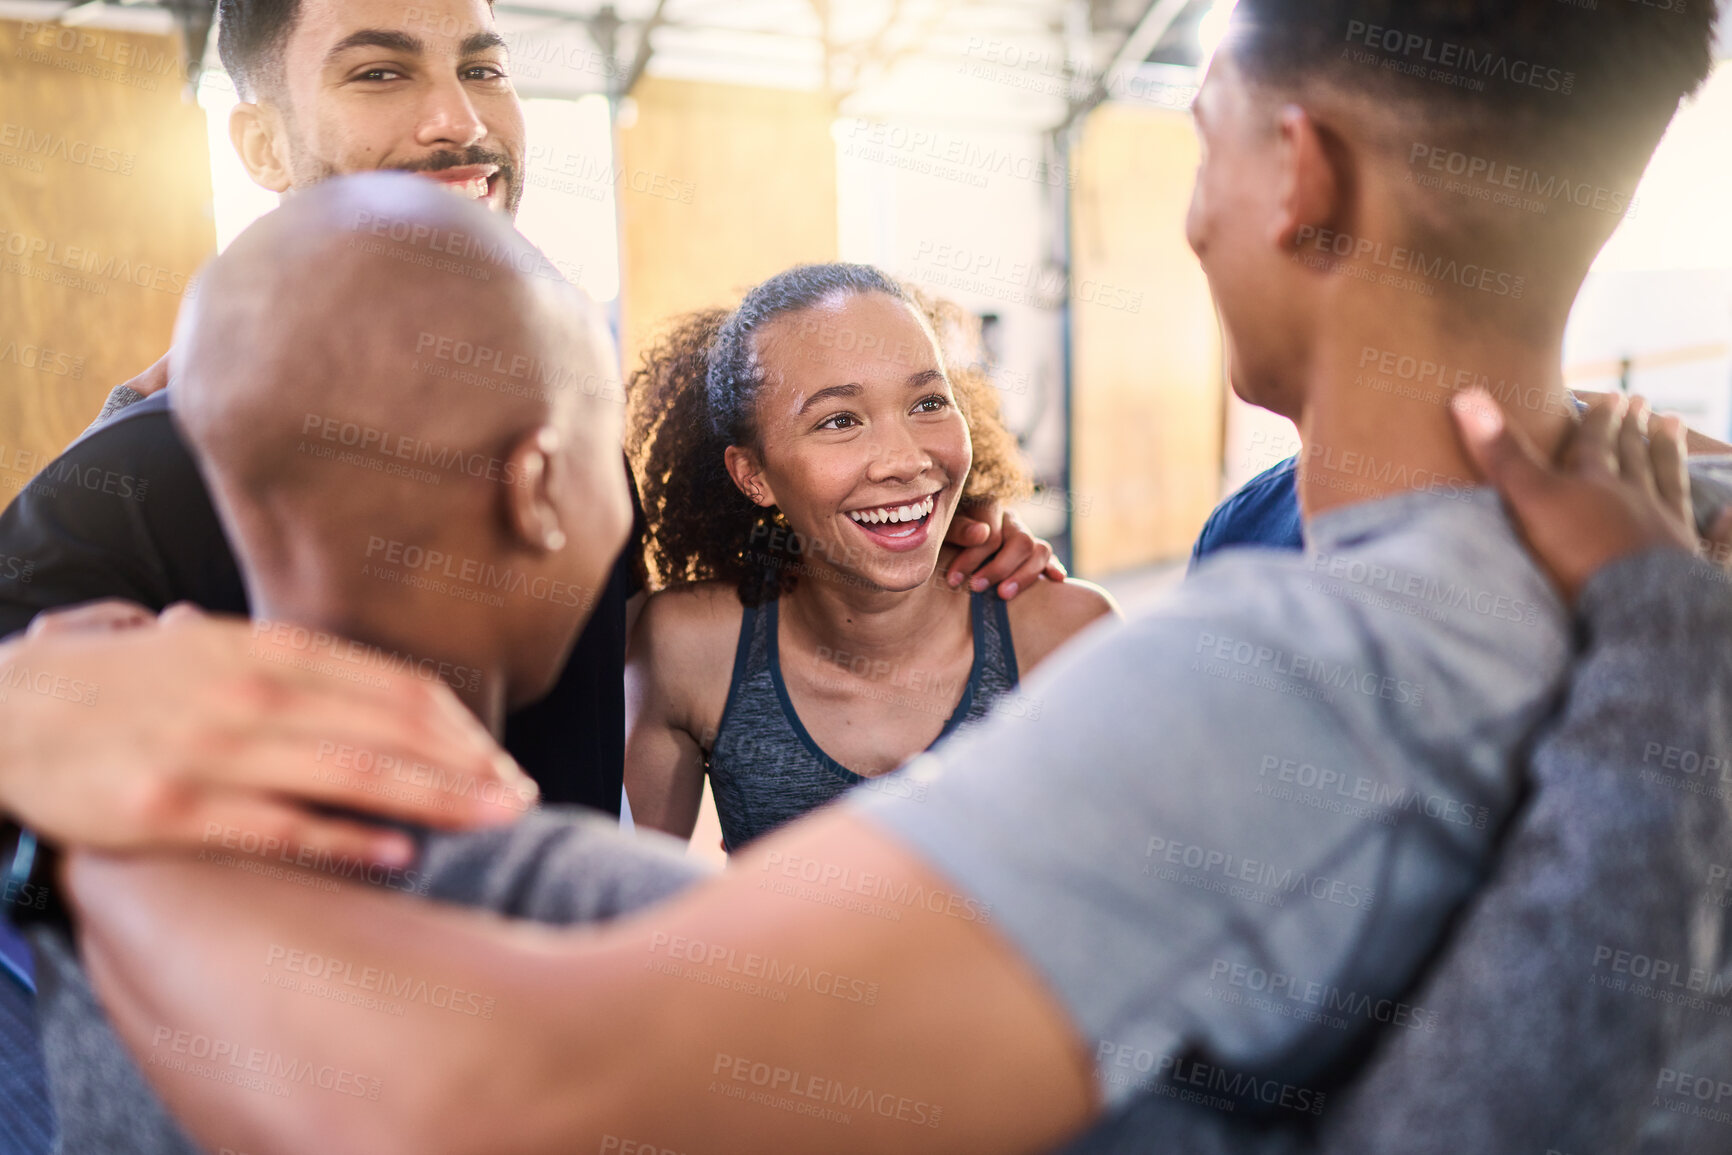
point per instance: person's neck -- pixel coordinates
(1375, 418)
(399, 630)
(836, 610)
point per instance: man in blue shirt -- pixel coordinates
(26, 1120)
(1264, 511)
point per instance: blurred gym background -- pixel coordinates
(1030, 160)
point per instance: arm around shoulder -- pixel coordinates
(874, 1039)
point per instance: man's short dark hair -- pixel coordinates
(1593, 80)
(250, 39)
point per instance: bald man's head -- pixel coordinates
(379, 373)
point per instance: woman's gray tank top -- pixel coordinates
(765, 769)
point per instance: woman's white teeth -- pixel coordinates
(890, 515)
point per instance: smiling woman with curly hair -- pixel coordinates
(702, 527)
(801, 462)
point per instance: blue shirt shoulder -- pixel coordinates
(1265, 512)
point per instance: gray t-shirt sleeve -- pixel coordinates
(558, 865)
(1534, 1034)
(1260, 775)
(1528, 1034)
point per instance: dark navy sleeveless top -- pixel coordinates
(765, 769)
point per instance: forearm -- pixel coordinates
(275, 1016)
(1613, 859)
(830, 992)
(657, 1030)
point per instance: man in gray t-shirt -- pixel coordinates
(1296, 764)
(1271, 792)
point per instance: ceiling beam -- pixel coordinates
(1158, 17)
(644, 48)
(1162, 15)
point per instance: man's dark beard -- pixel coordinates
(322, 171)
(460, 158)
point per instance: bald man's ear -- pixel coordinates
(261, 140)
(1311, 185)
(533, 512)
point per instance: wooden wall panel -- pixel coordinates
(1146, 357)
(104, 221)
(720, 187)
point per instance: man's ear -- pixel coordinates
(532, 511)
(261, 140)
(1311, 182)
(748, 473)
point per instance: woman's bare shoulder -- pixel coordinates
(1049, 614)
(695, 618)
(681, 653)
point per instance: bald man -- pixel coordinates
(371, 488)
(461, 524)
(332, 87)
(328, 87)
